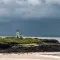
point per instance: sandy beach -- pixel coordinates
(30, 56)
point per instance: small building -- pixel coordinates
(21, 36)
(18, 34)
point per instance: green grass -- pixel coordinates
(27, 42)
(20, 41)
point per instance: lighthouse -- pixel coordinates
(17, 34)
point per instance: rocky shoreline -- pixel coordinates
(10, 48)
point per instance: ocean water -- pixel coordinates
(53, 55)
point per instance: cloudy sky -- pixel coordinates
(32, 17)
(28, 9)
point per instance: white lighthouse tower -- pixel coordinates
(17, 34)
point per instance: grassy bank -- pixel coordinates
(12, 44)
(19, 41)
(26, 42)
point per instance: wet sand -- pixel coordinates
(30, 56)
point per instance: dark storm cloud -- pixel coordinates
(11, 9)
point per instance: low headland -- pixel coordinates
(25, 45)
